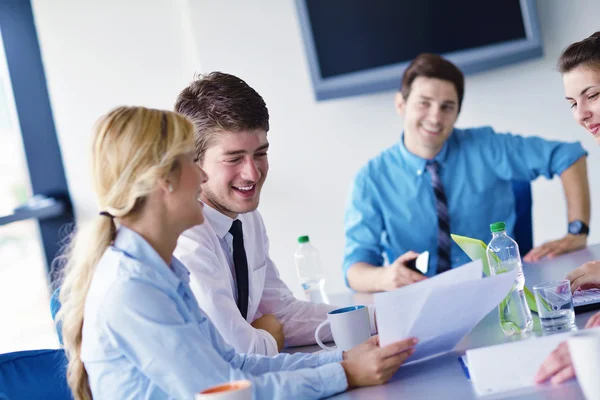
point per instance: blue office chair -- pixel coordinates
(524, 222)
(35, 374)
(54, 307)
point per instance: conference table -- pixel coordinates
(443, 377)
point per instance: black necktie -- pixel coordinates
(441, 207)
(241, 266)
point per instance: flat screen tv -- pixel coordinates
(363, 46)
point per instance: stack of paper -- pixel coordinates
(441, 310)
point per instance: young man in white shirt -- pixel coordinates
(234, 280)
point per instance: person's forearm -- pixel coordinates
(577, 191)
(257, 364)
(364, 277)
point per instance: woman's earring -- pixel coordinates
(170, 188)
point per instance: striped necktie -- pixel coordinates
(441, 208)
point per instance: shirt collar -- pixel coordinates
(416, 163)
(136, 247)
(220, 223)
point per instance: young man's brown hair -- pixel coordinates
(221, 102)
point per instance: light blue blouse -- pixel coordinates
(144, 336)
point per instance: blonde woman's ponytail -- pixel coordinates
(84, 251)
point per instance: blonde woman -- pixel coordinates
(131, 325)
(579, 65)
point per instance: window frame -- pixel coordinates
(51, 205)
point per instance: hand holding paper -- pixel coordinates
(440, 311)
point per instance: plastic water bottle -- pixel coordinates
(310, 272)
(503, 256)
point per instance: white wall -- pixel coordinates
(100, 55)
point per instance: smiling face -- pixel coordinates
(237, 165)
(582, 91)
(429, 112)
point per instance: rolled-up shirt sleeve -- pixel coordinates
(363, 224)
(515, 157)
(184, 357)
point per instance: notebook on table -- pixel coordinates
(583, 300)
(509, 367)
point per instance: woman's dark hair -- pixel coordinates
(585, 52)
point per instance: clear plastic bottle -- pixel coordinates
(310, 272)
(503, 256)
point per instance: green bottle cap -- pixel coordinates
(303, 239)
(497, 227)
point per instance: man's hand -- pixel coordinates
(557, 367)
(552, 249)
(268, 323)
(368, 364)
(398, 274)
(585, 277)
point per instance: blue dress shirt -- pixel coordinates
(144, 336)
(391, 206)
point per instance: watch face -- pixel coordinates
(575, 227)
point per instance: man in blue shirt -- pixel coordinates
(439, 180)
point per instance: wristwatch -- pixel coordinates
(578, 227)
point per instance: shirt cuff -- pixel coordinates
(334, 379)
(357, 256)
(328, 357)
(362, 255)
(576, 151)
(270, 343)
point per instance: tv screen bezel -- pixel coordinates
(388, 77)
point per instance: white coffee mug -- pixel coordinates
(350, 326)
(235, 390)
(584, 347)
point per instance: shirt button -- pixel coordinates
(419, 171)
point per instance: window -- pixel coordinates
(34, 199)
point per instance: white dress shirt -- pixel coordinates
(207, 251)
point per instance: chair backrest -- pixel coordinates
(54, 307)
(34, 374)
(524, 221)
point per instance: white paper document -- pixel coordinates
(510, 366)
(441, 310)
